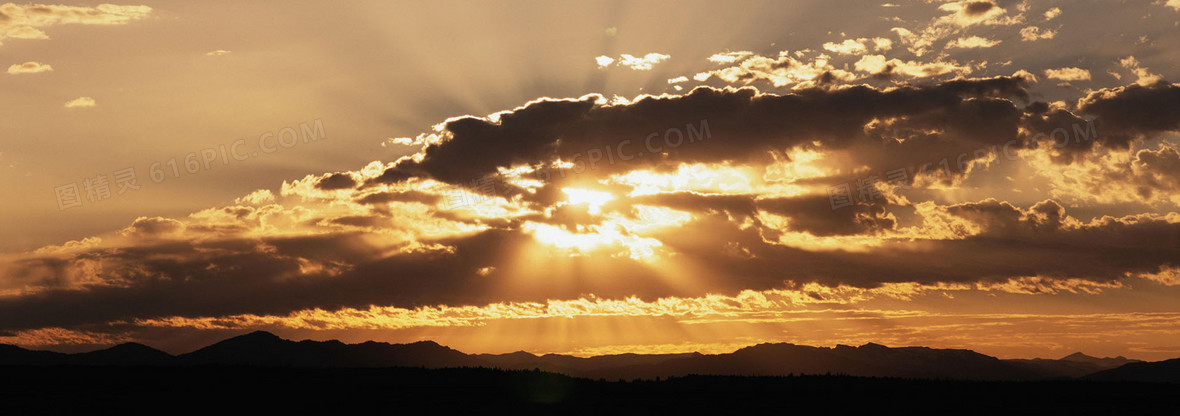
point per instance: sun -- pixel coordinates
(593, 199)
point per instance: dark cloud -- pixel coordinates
(1151, 174)
(999, 218)
(273, 277)
(811, 213)
(337, 181)
(1113, 118)
(1010, 248)
(1134, 112)
(1159, 170)
(1074, 136)
(742, 124)
(359, 221)
(815, 214)
(977, 8)
(408, 196)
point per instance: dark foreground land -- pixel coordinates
(263, 390)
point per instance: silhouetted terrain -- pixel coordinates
(1162, 371)
(869, 360)
(266, 349)
(276, 390)
(598, 366)
(260, 372)
(1072, 366)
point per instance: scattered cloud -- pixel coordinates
(1068, 74)
(81, 102)
(967, 13)
(848, 47)
(29, 68)
(960, 16)
(878, 66)
(729, 57)
(1033, 33)
(1168, 276)
(972, 42)
(641, 63)
(1053, 13)
(259, 197)
(781, 71)
(1144, 77)
(26, 21)
(858, 46)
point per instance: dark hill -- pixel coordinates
(868, 360)
(1071, 366)
(131, 353)
(1158, 372)
(14, 355)
(266, 349)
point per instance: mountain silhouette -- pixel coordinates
(1156, 372)
(14, 355)
(1105, 362)
(131, 353)
(868, 360)
(1071, 366)
(594, 367)
(123, 354)
(264, 349)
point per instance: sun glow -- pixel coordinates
(622, 232)
(649, 218)
(601, 237)
(593, 199)
(774, 179)
(695, 177)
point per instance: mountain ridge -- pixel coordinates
(261, 348)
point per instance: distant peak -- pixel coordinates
(131, 346)
(1078, 356)
(769, 347)
(427, 343)
(257, 336)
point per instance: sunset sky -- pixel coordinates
(594, 177)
